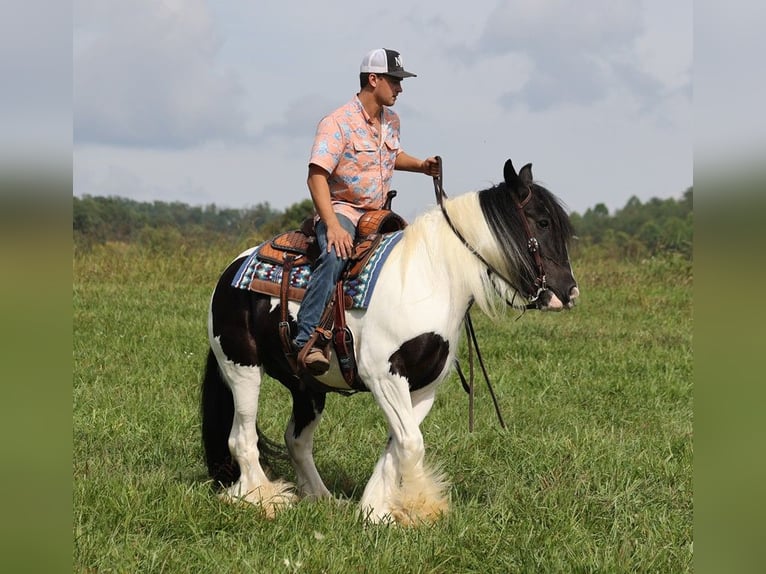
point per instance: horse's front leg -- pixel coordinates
(402, 487)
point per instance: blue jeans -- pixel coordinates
(321, 284)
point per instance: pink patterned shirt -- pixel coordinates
(359, 159)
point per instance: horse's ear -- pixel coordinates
(509, 174)
(525, 175)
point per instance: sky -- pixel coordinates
(216, 102)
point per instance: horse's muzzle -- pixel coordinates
(549, 301)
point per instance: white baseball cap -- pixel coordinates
(383, 61)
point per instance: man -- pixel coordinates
(355, 151)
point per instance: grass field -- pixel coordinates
(594, 473)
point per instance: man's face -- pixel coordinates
(387, 88)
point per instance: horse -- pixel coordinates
(505, 245)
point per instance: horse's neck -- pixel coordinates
(444, 255)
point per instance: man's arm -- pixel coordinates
(320, 194)
(405, 162)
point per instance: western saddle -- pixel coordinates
(299, 247)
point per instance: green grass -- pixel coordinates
(594, 473)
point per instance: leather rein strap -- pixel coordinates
(471, 339)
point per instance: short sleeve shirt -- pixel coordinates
(359, 158)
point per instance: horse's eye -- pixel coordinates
(544, 223)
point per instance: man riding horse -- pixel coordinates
(355, 151)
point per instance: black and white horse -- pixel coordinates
(504, 245)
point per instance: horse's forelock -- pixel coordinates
(498, 205)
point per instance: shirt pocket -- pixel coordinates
(390, 151)
(392, 144)
(364, 146)
(367, 154)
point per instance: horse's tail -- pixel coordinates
(217, 410)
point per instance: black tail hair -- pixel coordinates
(217, 411)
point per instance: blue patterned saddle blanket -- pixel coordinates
(264, 276)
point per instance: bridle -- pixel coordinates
(533, 245)
(534, 248)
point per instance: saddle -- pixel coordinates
(299, 247)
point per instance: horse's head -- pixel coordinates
(536, 229)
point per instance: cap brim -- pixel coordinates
(401, 74)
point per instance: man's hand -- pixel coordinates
(340, 239)
(430, 166)
(320, 194)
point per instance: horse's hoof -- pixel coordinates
(272, 497)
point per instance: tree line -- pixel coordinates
(636, 230)
(97, 219)
(639, 229)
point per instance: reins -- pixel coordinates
(468, 385)
(471, 339)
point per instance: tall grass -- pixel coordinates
(593, 474)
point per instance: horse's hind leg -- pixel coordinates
(253, 485)
(299, 439)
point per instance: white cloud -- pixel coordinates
(146, 73)
(579, 51)
(548, 26)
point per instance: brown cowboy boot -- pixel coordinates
(313, 360)
(316, 362)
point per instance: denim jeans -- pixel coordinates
(320, 287)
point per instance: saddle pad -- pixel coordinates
(359, 289)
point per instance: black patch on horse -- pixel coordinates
(229, 322)
(420, 360)
(307, 405)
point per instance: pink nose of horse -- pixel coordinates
(556, 304)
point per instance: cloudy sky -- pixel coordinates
(205, 101)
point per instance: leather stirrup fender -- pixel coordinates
(284, 323)
(343, 342)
